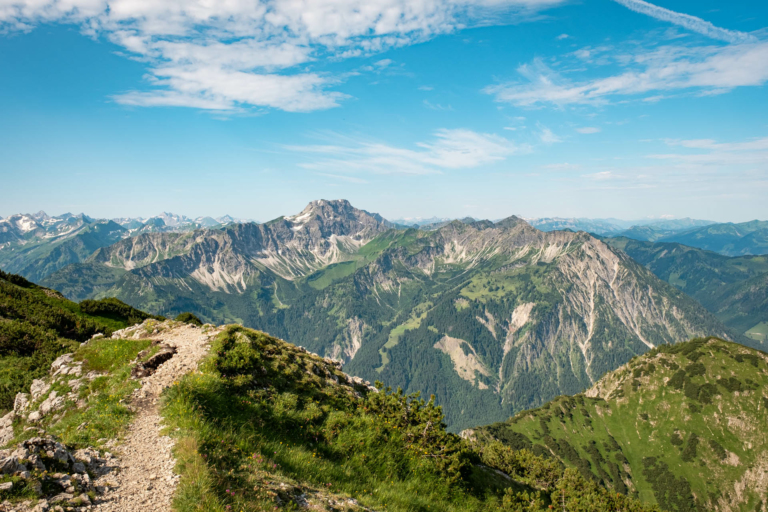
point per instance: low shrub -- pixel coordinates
(189, 318)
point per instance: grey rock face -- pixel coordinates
(11, 465)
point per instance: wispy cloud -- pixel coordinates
(709, 153)
(564, 166)
(588, 130)
(601, 176)
(686, 21)
(449, 149)
(231, 55)
(546, 135)
(436, 106)
(708, 70)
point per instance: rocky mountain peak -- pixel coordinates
(338, 217)
(172, 219)
(510, 222)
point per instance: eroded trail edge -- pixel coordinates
(144, 479)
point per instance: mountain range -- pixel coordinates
(36, 245)
(729, 239)
(490, 317)
(494, 316)
(570, 347)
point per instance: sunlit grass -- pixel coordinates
(246, 449)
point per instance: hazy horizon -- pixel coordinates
(414, 218)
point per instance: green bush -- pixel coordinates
(189, 318)
(689, 452)
(718, 449)
(117, 309)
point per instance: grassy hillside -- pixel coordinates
(682, 426)
(38, 324)
(265, 424)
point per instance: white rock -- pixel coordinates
(52, 403)
(39, 388)
(6, 428)
(61, 361)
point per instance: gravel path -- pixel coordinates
(145, 481)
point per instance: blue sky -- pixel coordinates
(602, 108)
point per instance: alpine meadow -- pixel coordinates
(384, 256)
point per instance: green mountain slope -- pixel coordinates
(491, 318)
(682, 426)
(38, 324)
(733, 288)
(744, 305)
(266, 425)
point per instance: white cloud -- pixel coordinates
(426, 88)
(588, 129)
(214, 88)
(562, 36)
(226, 55)
(450, 149)
(709, 69)
(547, 136)
(686, 21)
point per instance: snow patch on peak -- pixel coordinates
(24, 223)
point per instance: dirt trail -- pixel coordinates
(144, 480)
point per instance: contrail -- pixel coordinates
(686, 21)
